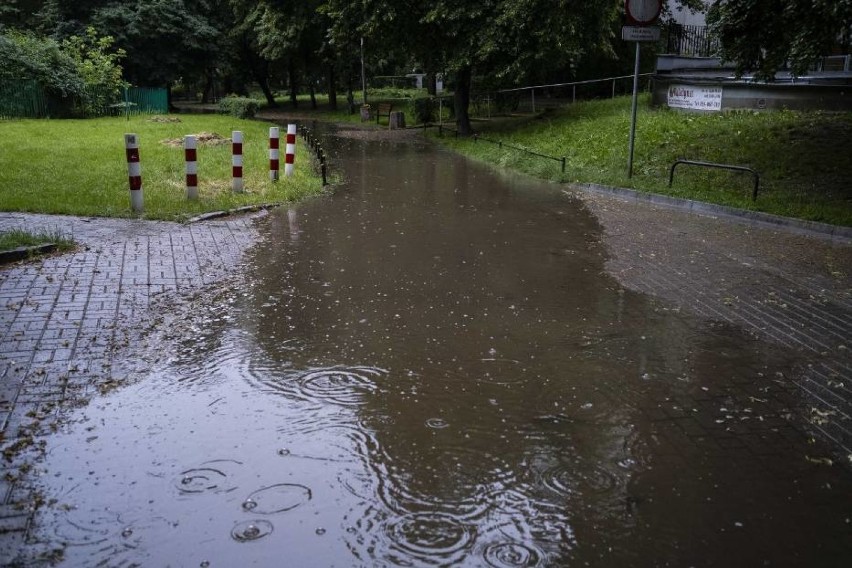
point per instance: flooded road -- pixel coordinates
(432, 368)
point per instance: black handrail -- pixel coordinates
(315, 145)
(500, 143)
(719, 166)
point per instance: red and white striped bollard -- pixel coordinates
(274, 152)
(190, 154)
(134, 171)
(290, 156)
(237, 161)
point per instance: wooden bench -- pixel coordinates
(384, 109)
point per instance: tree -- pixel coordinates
(24, 56)
(508, 39)
(98, 66)
(761, 36)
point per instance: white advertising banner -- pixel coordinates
(692, 97)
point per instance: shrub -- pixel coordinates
(240, 107)
(423, 110)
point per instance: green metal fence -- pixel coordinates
(28, 99)
(22, 99)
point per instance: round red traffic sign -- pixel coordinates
(643, 12)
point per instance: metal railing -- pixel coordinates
(314, 143)
(693, 41)
(718, 166)
(477, 137)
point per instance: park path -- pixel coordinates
(790, 288)
(67, 318)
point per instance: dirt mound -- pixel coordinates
(164, 119)
(202, 138)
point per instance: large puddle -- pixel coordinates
(432, 368)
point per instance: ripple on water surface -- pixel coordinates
(512, 555)
(247, 531)
(209, 477)
(343, 386)
(430, 538)
(277, 498)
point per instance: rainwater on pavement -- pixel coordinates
(431, 367)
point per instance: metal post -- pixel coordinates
(563, 164)
(633, 113)
(573, 94)
(613, 88)
(533, 99)
(363, 75)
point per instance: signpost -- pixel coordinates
(641, 15)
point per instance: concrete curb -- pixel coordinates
(23, 253)
(229, 212)
(833, 233)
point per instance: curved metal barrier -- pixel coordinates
(718, 166)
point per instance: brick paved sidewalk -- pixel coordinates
(62, 317)
(791, 289)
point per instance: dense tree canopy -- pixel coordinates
(763, 35)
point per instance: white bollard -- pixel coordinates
(274, 152)
(190, 155)
(134, 171)
(290, 157)
(237, 161)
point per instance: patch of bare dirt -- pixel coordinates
(202, 138)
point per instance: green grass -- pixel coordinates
(18, 238)
(78, 167)
(802, 157)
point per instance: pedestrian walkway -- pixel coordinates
(63, 318)
(791, 289)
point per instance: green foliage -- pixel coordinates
(764, 35)
(24, 56)
(240, 107)
(423, 109)
(98, 66)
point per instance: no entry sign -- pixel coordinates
(642, 12)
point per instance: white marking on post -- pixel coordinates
(290, 156)
(274, 152)
(237, 161)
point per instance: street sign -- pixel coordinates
(640, 33)
(642, 12)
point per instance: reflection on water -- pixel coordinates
(432, 368)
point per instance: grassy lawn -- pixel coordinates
(803, 157)
(78, 167)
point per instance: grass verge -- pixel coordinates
(17, 238)
(78, 167)
(802, 157)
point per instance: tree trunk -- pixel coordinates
(208, 93)
(313, 97)
(263, 81)
(332, 88)
(461, 100)
(432, 84)
(291, 72)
